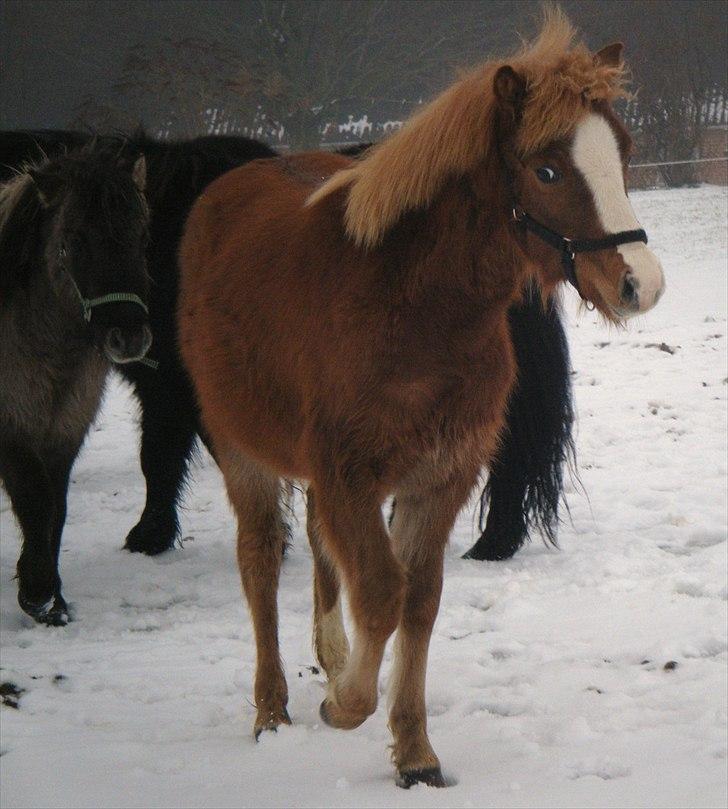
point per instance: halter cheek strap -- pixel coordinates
(570, 247)
(88, 304)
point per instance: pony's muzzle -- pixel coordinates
(127, 344)
(643, 283)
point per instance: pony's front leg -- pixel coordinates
(169, 426)
(330, 641)
(420, 530)
(356, 538)
(37, 494)
(255, 495)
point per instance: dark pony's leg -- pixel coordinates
(37, 489)
(526, 481)
(169, 427)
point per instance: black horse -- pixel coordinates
(73, 297)
(525, 486)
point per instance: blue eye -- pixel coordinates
(548, 175)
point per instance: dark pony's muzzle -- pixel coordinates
(120, 320)
(127, 343)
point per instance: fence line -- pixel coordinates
(677, 162)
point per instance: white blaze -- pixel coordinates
(595, 153)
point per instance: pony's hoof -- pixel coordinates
(270, 721)
(431, 776)
(53, 612)
(151, 537)
(491, 551)
(334, 717)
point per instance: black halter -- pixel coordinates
(570, 247)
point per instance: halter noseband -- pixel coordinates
(88, 305)
(570, 247)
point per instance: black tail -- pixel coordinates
(526, 482)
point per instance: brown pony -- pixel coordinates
(347, 323)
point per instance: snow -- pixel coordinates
(547, 681)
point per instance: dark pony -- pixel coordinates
(347, 323)
(525, 482)
(73, 298)
(176, 173)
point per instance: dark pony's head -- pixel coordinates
(81, 219)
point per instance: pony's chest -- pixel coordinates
(48, 390)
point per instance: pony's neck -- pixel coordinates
(464, 240)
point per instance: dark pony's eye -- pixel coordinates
(63, 250)
(548, 175)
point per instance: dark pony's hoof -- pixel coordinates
(152, 535)
(53, 612)
(432, 777)
(490, 549)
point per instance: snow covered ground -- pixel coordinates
(548, 684)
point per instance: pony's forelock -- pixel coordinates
(455, 132)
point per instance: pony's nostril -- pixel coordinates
(629, 294)
(115, 341)
(124, 345)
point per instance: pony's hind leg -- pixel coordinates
(420, 529)
(255, 495)
(330, 641)
(356, 538)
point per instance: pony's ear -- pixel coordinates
(510, 89)
(139, 173)
(610, 55)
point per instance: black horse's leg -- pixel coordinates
(506, 527)
(33, 497)
(169, 428)
(526, 481)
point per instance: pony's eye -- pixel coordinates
(62, 251)
(548, 175)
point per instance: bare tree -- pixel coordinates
(102, 118)
(179, 85)
(307, 58)
(677, 53)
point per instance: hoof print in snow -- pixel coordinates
(662, 347)
(10, 694)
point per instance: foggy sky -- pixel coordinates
(54, 52)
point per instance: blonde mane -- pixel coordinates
(454, 133)
(11, 192)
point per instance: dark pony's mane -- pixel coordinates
(20, 211)
(88, 171)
